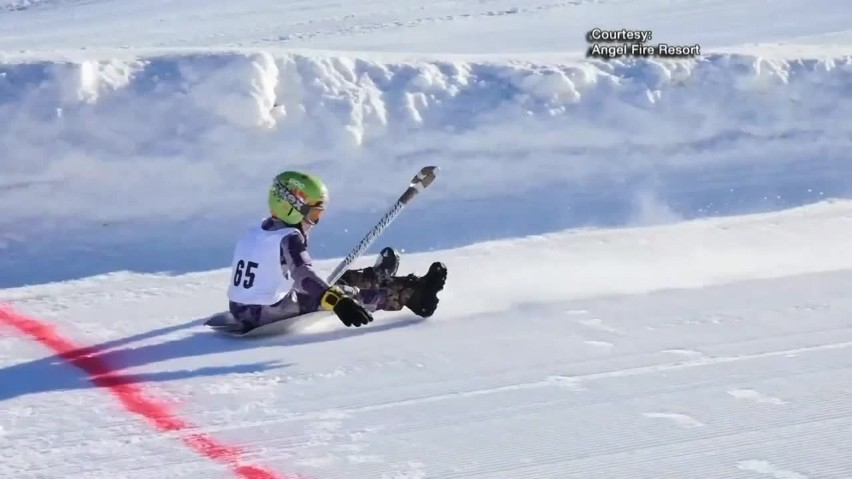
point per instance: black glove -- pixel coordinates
(347, 309)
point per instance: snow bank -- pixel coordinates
(150, 163)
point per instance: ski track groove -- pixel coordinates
(620, 455)
(577, 400)
(284, 447)
(552, 379)
(755, 396)
(417, 22)
(549, 380)
(764, 467)
(292, 443)
(625, 372)
(163, 461)
(709, 419)
(570, 402)
(676, 436)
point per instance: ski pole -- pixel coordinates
(418, 183)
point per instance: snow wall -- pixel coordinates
(156, 162)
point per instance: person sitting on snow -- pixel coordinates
(273, 278)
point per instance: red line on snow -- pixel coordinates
(130, 393)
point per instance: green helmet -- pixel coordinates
(293, 197)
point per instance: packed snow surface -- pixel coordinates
(716, 348)
(649, 268)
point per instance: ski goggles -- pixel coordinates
(314, 212)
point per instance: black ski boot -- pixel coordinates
(424, 298)
(378, 275)
(387, 264)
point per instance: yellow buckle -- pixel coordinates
(330, 299)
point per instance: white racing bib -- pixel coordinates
(257, 276)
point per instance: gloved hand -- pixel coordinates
(347, 309)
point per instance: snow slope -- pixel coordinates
(649, 265)
(717, 349)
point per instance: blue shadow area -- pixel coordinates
(439, 220)
(52, 373)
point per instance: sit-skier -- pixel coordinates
(272, 276)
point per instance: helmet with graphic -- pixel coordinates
(295, 197)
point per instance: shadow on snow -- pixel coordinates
(52, 373)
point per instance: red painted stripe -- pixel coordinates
(130, 393)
